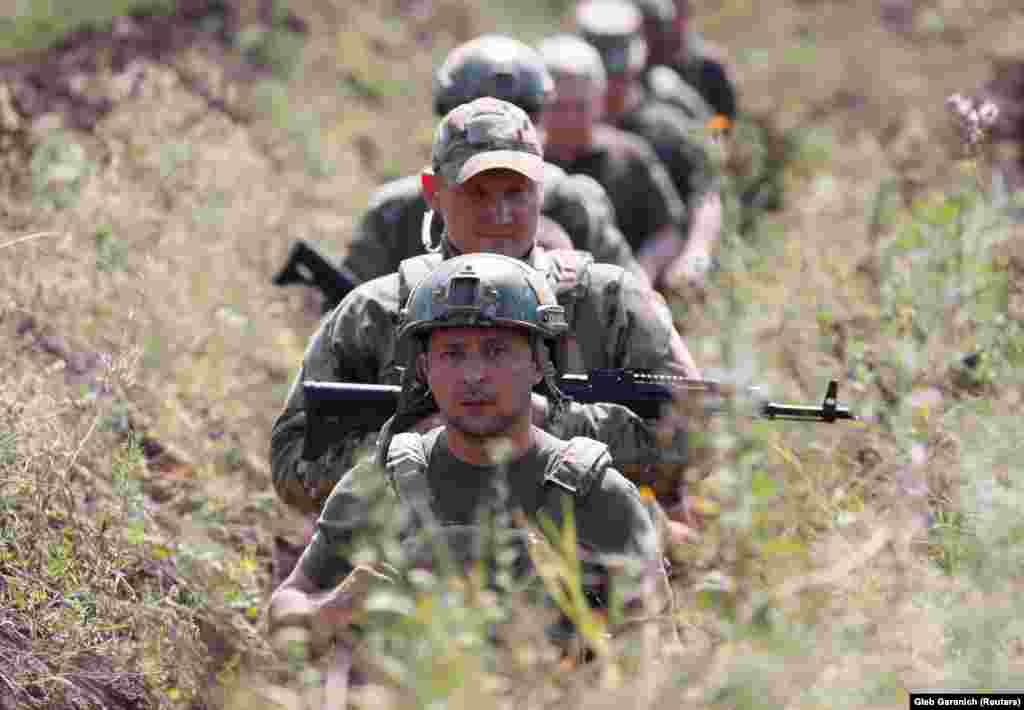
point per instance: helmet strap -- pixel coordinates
(425, 234)
(557, 401)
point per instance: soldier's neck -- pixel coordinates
(450, 251)
(511, 445)
(618, 106)
(566, 155)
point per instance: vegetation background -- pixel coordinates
(159, 158)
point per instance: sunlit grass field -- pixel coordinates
(145, 354)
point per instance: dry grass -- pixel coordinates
(145, 355)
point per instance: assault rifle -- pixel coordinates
(329, 404)
(308, 267)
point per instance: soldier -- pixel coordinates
(664, 82)
(647, 205)
(479, 333)
(674, 44)
(398, 223)
(484, 179)
(613, 28)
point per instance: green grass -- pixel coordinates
(789, 599)
(39, 24)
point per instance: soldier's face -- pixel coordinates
(617, 95)
(681, 24)
(481, 378)
(569, 120)
(494, 211)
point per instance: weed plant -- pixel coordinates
(39, 24)
(836, 567)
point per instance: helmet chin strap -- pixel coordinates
(425, 233)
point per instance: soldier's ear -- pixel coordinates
(422, 367)
(540, 360)
(431, 185)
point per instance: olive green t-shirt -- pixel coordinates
(678, 143)
(637, 182)
(610, 518)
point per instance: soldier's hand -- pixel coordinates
(688, 273)
(345, 604)
(540, 409)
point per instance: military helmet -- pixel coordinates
(568, 55)
(659, 13)
(613, 27)
(483, 290)
(492, 65)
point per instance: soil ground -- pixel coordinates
(155, 173)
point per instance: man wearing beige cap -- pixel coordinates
(399, 224)
(484, 179)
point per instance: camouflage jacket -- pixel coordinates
(704, 72)
(679, 142)
(614, 319)
(641, 191)
(390, 230)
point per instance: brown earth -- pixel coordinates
(144, 305)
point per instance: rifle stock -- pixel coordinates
(308, 267)
(367, 407)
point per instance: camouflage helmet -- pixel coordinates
(492, 65)
(483, 290)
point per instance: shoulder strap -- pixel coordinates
(568, 272)
(579, 466)
(413, 270)
(406, 466)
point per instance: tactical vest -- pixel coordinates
(564, 268)
(579, 465)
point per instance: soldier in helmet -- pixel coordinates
(613, 27)
(647, 205)
(484, 180)
(399, 223)
(673, 44)
(479, 333)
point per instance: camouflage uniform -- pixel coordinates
(707, 75)
(431, 491)
(642, 193)
(614, 319)
(389, 231)
(491, 65)
(675, 79)
(613, 27)
(641, 190)
(678, 143)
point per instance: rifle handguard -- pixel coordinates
(369, 406)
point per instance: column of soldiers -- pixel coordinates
(492, 273)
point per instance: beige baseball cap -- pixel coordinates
(483, 135)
